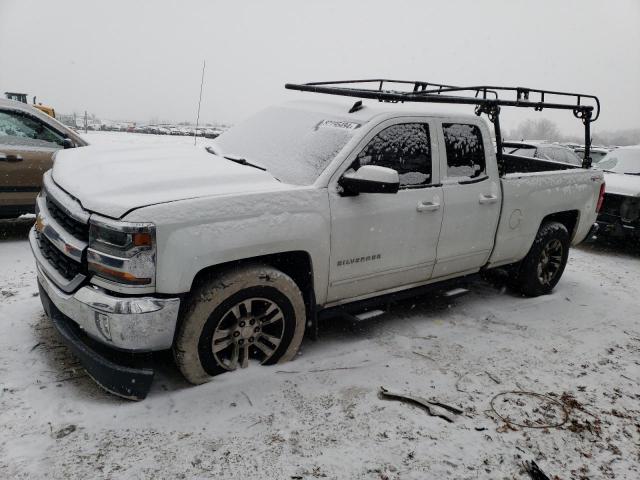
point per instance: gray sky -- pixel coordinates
(142, 60)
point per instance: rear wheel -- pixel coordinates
(543, 266)
(254, 314)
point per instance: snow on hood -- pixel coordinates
(622, 184)
(112, 181)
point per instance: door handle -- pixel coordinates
(427, 207)
(488, 199)
(10, 158)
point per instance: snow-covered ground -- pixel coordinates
(320, 416)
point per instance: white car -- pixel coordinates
(620, 213)
(228, 255)
(596, 153)
(543, 151)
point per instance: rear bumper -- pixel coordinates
(124, 374)
(617, 229)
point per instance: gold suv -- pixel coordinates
(28, 140)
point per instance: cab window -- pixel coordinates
(465, 150)
(18, 129)
(405, 148)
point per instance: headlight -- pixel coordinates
(122, 252)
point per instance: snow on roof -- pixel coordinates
(371, 109)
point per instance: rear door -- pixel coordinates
(385, 241)
(26, 147)
(472, 199)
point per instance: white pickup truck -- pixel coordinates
(227, 254)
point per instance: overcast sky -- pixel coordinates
(142, 60)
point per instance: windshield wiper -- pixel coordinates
(233, 158)
(632, 173)
(244, 161)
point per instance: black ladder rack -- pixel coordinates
(486, 98)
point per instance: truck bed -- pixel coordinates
(521, 164)
(529, 197)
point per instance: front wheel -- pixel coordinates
(253, 314)
(543, 266)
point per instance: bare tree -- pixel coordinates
(543, 129)
(618, 137)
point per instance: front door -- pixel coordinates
(26, 148)
(472, 196)
(383, 241)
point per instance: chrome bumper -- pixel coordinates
(137, 324)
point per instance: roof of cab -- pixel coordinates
(370, 109)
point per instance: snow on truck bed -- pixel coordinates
(320, 416)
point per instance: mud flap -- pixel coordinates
(128, 376)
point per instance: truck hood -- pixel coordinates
(112, 181)
(621, 184)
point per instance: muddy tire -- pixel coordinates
(250, 314)
(543, 266)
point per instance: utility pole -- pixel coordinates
(85, 121)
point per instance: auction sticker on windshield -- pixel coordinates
(338, 124)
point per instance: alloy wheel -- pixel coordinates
(251, 329)
(550, 261)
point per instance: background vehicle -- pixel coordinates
(620, 213)
(597, 153)
(22, 97)
(543, 151)
(28, 141)
(305, 210)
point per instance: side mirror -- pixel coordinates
(68, 143)
(370, 179)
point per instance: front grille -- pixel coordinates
(74, 227)
(67, 267)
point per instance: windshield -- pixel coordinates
(596, 155)
(621, 160)
(295, 146)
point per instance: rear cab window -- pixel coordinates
(465, 152)
(521, 151)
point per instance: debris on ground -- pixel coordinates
(63, 432)
(534, 471)
(529, 409)
(423, 403)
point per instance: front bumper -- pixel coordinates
(111, 334)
